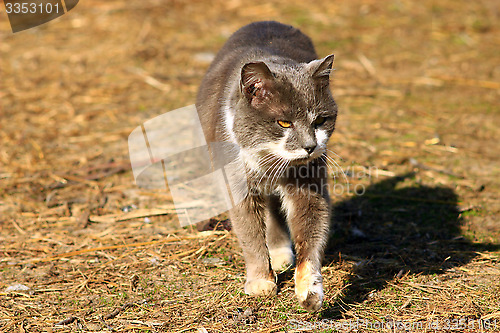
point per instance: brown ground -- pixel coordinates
(418, 86)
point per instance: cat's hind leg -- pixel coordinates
(277, 236)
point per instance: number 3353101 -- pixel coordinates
(31, 7)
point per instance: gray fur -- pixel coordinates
(265, 73)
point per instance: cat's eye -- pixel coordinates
(284, 123)
(319, 121)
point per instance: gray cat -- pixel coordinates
(266, 92)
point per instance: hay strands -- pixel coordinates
(161, 210)
(199, 235)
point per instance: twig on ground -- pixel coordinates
(469, 82)
(162, 210)
(113, 247)
(111, 218)
(416, 164)
(117, 311)
(106, 324)
(67, 321)
(149, 79)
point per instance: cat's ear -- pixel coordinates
(322, 68)
(256, 82)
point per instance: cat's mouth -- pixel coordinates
(303, 160)
(297, 160)
(276, 160)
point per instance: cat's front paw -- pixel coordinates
(260, 287)
(281, 258)
(309, 287)
(313, 301)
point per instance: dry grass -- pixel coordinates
(418, 85)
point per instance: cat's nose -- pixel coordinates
(310, 149)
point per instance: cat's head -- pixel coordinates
(285, 111)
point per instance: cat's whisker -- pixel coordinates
(331, 167)
(285, 166)
(340, 157)
(265, 160)
(279, 172)
(267, 157)
(276, 172)
(338, 166)
(328, 165)
(275, 169)
(264, 174)
(333, 163)
(334, 153)
(271, 169)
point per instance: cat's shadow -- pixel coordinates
(394, 229)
